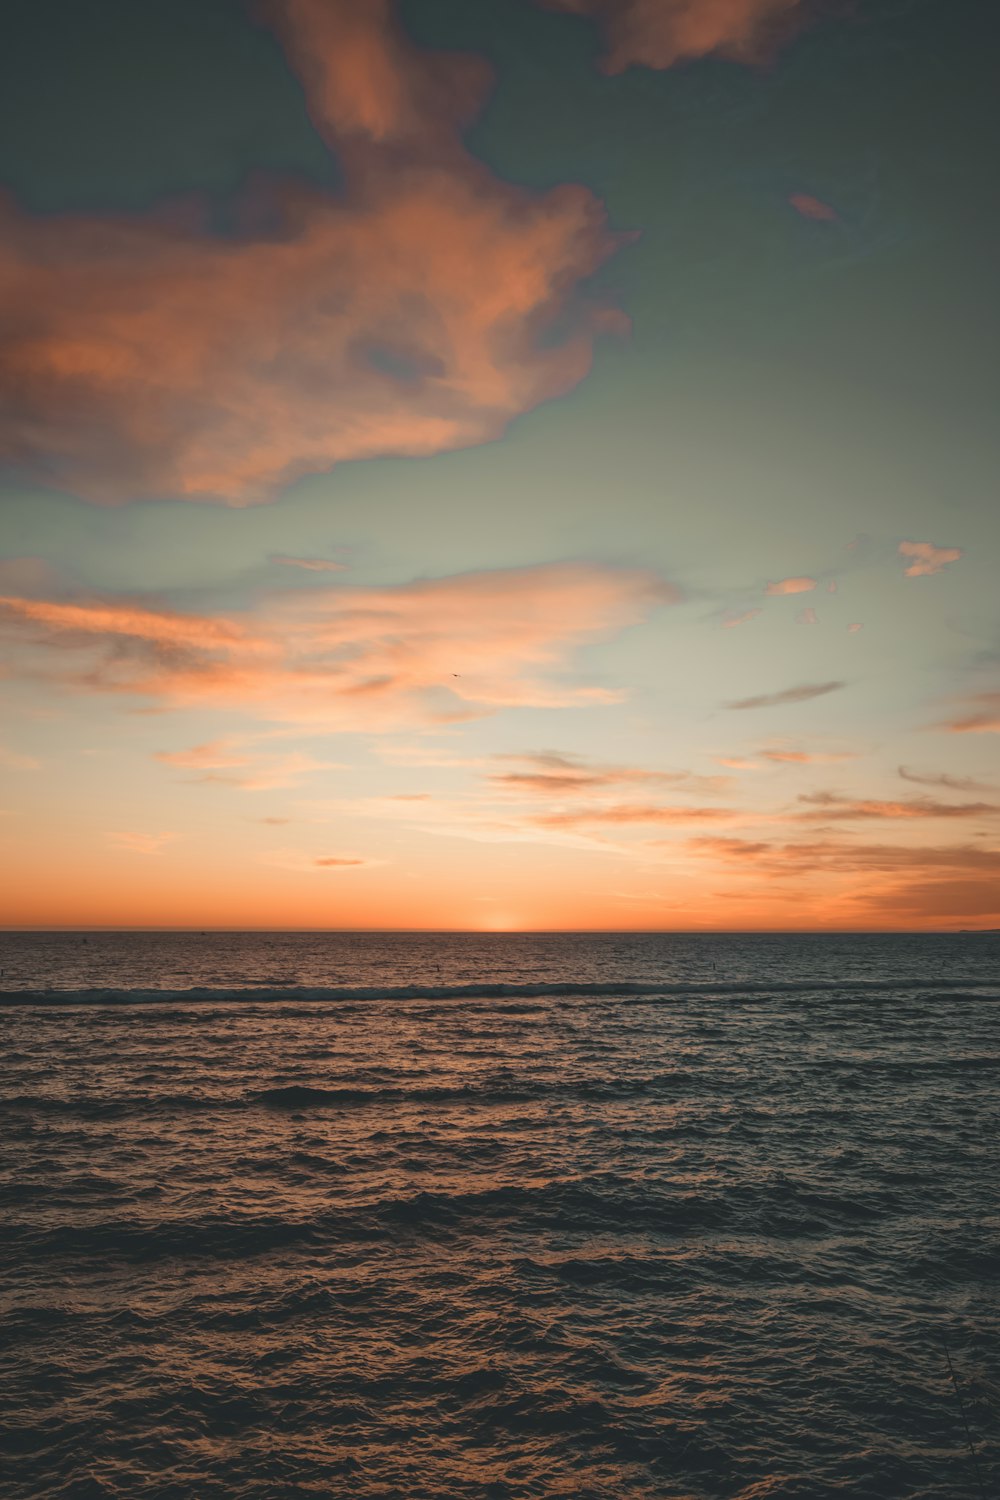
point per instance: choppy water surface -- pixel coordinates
(432, 1216)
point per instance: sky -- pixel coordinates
(499, 464)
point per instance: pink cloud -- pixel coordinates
(661, 33)
(813, 208)
(414, 314)
(733, 620)
(791, 586)
(854, 627)
(927, 558)
(806, 617)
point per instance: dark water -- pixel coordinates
(447, 1216)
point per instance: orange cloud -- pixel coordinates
(300, 862)
(272, 773)
(350, 658)
(310, 564)
(927, 558)
(367, 84)
(802, 757)
(627, 813)
(983, 720)
(731, 621)
(874, 884)
(953, 899)
(210, 757)
(841, 856)
(140, 843)
(413, 315)
(813, 208)
(854, 627)
(791, 586)
(129, 621)
(555, 775)
(660, 33)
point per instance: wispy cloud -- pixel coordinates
(301, 862)
(806, 617)
(944, 779)
(784, 756)
(126, 620)
(927, 558)
(310, 564)
(829, 807)
(627, 813)
(277, 772)
(554, 774)
(140, 843)
(984, 717)
(214, 756)
(731, 621)
(352, 658)
(799, 694)
(843, 856)
(12, 760)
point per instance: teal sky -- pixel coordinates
(559, 726)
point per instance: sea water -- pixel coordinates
(449, 1215)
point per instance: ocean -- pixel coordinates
(434, 1216)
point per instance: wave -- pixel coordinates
(777, 1208)
(292, 1097)
(951, 989)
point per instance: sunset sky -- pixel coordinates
(494, 464)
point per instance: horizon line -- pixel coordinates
(531, 931)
